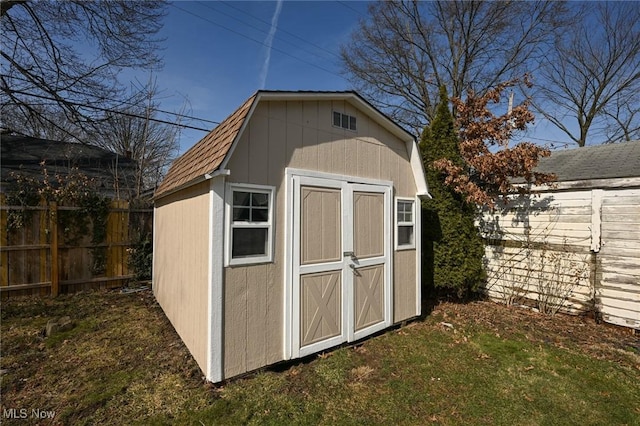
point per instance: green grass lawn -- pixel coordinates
(122, 363)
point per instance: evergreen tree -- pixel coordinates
(454, 248)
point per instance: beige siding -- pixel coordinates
(180, 281)
(404, 285)
(618, 292)
(299, 134)
(252, 326)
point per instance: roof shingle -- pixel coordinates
(206, 155)
(618, 160)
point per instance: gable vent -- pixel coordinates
(344, 121)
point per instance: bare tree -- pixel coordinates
(134, 133)
(407, 50)
(41, 61)
(592, 75)
(623, 118)
(28, 123)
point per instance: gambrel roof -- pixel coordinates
(213, 151)
(207, 155)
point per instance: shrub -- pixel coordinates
(141, 258)
(454, 248)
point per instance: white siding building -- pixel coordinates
(574, 247)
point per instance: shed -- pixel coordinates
(573, 247)
(291, 228)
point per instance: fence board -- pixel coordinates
(4, 256)
(53, 231)
(42, 258)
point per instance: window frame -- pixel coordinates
(350, 119)
(398, 223)
(231, 224)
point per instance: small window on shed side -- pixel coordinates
(405, 224)
(250, 225)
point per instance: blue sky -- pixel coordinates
(218, 53)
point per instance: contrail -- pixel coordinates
(268, 42)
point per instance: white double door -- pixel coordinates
(341, 279)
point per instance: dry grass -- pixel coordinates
(123, 363)
(122, 360)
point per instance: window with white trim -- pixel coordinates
(405, 223)
(250, 232)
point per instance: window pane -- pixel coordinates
(241, 198)
(336, 119)
(241, 214)
(405, 211)
(259, 199)
(352, 123)
(345, 121)
(259, 214)
(405, 235)
(249, 242)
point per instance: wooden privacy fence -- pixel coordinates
(43, 257)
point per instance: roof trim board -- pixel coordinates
(587, 184)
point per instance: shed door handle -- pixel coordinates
(353, 268)
(351, 254)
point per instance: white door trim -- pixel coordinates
(294, 178)
(298, 269)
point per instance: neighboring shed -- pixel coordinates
(576, 246)
(291, 228)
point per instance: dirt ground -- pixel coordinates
(597, 339)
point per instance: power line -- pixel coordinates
(280, 30)
(125, 103)
(257, 41)
(218, 11)
(346, 4)
(546, 140)
(157, 120)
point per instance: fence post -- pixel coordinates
(42, 234)
(53, 229)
